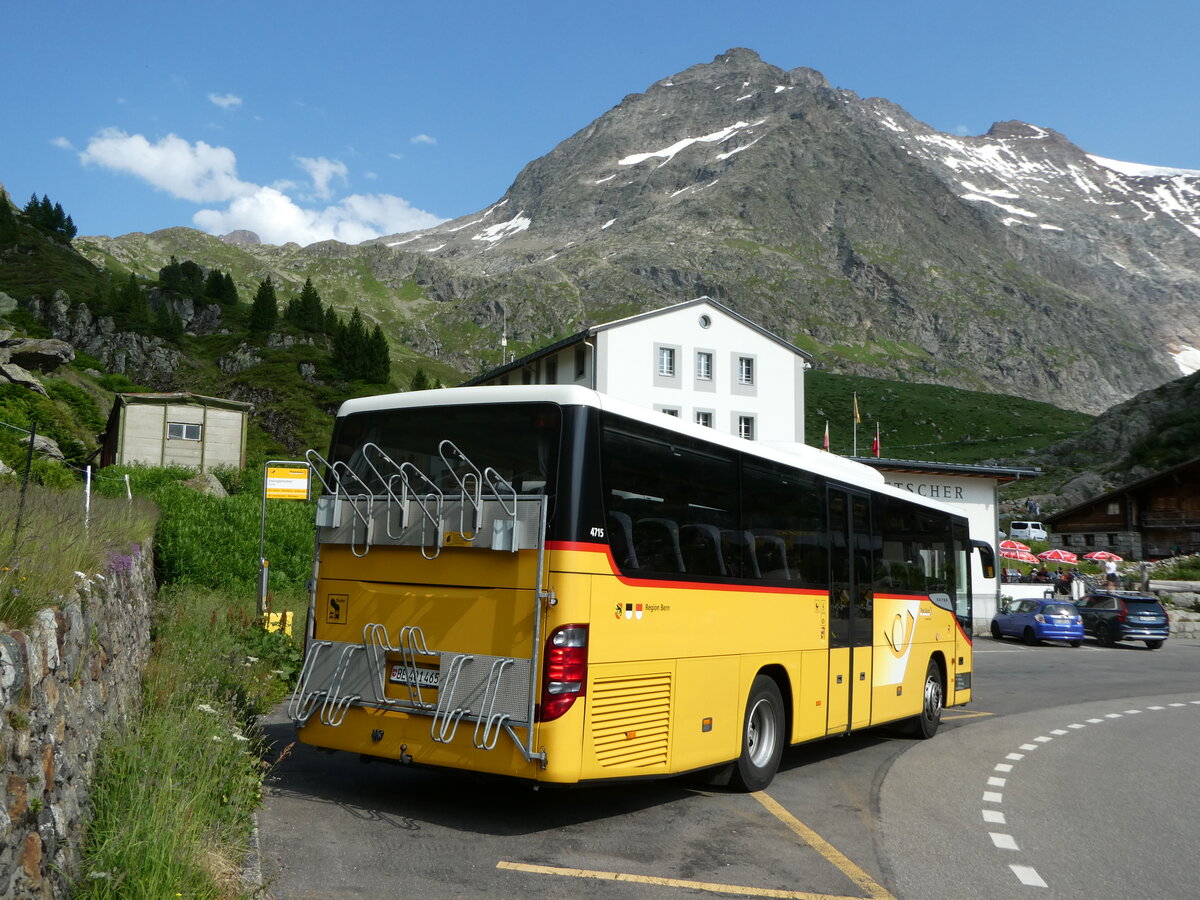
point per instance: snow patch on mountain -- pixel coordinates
(1188, 360)
(668, 153)
(1137, 170)
(498, 232)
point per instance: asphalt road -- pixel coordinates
(1071, 775)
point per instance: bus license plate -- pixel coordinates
(425, 677)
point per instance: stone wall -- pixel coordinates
(63, 682)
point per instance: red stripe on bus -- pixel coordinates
(740, 587)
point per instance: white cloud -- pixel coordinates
(62, 143)
(277, 219)
(422, 139)
(205, 174)
(321, 171)
(225, 101)
(199, 172)
(962, 130)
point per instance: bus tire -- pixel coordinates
(762, 736)
(933, 701)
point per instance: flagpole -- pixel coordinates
(855, 453)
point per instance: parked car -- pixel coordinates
(1112, 616)
(1035, 620)
(1027, 531)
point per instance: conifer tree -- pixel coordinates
(8, 221)
(170, 276)
(264, 312)
(379, 359)
(230, 295)
(214, 285)
(134, 313)
(310, 314)
(420, 381)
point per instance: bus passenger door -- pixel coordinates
(851, 610)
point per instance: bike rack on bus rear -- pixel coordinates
(497, 693)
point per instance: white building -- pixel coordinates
(698, 360)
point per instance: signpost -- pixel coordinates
(283, 479)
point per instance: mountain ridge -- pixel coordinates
(1009, 261)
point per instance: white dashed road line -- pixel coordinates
(1028, 875)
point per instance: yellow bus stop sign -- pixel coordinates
(287, 484)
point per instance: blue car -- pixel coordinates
(1039, 620)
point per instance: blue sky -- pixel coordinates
(305, 121)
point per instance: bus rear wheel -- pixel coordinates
(762, 736)
(926, 724)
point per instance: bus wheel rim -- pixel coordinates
(760, 733)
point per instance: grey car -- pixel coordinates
(1112, 616)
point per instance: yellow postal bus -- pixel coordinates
(542, 582)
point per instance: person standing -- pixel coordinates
(1110, 574)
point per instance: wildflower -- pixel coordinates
(251, 659)
(205, 708)
(217, 738)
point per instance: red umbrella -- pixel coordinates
(1013, 545)
(1057, 555)
(1019, 555)
(1103, 556)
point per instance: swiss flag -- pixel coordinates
(875, 443)
(825, 443)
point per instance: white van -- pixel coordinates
(1030, 531)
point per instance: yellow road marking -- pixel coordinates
(736, 890)
(951, 717)
(826, 849)
(873, 890)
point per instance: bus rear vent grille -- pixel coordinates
(631, 718)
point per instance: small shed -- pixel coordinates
(176, 429)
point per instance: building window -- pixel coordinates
(183, 431)
(1112, 540)
(1089, 540)
(580, 362)
(666, 361)
(704, 365)
(705, 321)
(1066, 540)
(745, 370)
(746, 427)
(670, 411)
(704, 417)
(552, 370)
(1114, 509)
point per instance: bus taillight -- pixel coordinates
(566, 671)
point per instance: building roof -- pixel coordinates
(182, 397)
(592, 330)
(1127, 489)
(1002, 474)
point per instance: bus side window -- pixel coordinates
(620, 540)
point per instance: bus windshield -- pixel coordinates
(519, 440)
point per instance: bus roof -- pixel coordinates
(811, 459)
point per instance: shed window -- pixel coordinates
(183, 431)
